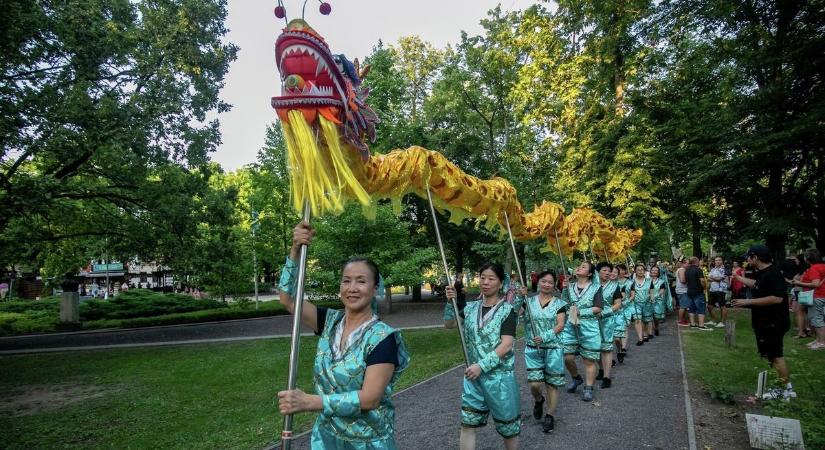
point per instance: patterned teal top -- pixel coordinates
(483, 334)
(346, 374)
(545, 320)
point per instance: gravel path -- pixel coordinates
(645, 408)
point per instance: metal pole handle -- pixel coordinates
(447, 274)
(520, 274)
(298, 301)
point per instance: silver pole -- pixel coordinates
(520, 274)
(561, 257)
(298, 299)
(255, 266)
(447, 274)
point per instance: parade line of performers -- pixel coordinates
(359, 357)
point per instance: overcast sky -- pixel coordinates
(353, 28)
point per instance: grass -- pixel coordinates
(729, 375)
(190, 396)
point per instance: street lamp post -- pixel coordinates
(255, 226)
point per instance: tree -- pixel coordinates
(99, 99)
(386, 241)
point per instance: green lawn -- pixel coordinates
(730, 375)
(189, 396)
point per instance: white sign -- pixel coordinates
(774, 433)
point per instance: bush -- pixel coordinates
(12, 323)
(50, 304)
(142, 303)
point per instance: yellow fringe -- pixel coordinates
(321, 175)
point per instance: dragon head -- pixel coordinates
(315, 81)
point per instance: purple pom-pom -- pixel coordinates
(325, 8)
(280, 12)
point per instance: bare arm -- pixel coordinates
(681, 274)
(301, 235)
(807, 284)
(617, 303)
(762, 301)
(559, 323)
(505, 346)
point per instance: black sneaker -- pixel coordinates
(613, 363)
(600, 375)
(537, 409)
(549, 424)
(640, 343)
(621, 357)
(574, 384)
(646, 338)
(606, 382)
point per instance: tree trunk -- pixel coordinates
(388, 299)
(416, 293)
(776, 209)
(696, 236)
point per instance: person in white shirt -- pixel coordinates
(717, 293)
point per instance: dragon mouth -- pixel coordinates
(310, 76)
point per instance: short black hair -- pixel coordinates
(370, 264)
(603, 264)
(497, 268)
(621, 266)
(550, 272)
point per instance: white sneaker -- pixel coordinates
(709, 323)
(817, 346)
(720, 325)
(788, 394)
(774, 394)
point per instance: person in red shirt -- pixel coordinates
(814, 278)
(737, 286)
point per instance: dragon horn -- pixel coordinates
(363, 73)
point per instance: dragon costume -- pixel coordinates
(327, 121)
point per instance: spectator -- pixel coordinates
(813, 279)
(694, 279)
(534, 280)
(95, 289)
(4, 288)
(803, 328)
(718, 291)
(681, 293)
(769, 314)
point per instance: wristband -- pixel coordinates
(489, 362)
(346, 404)
(287, 281)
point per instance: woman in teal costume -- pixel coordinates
(612, 297)
(642, 298)
(624, 316)
(581, 335)
(490, 381)
(661, 298)
(543, 355)
(359, 359)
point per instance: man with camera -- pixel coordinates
(769, 314)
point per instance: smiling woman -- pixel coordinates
(359, 358)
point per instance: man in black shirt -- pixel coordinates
(693, 278)
(769, 313)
